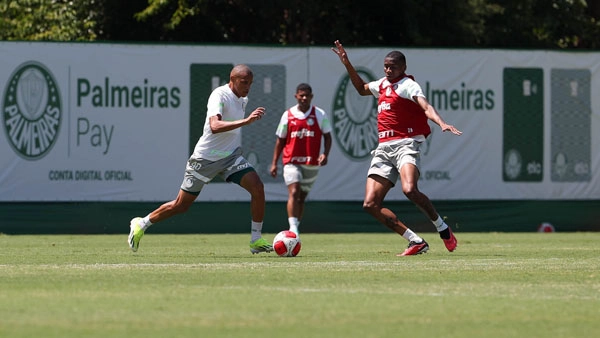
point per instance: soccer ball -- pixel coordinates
(287, 244)
(545, 227)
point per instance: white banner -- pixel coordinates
(112, 122)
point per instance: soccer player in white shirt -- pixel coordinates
(218, 152)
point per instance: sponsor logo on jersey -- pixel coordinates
(301, 159)
(302, 133)
(383, 107)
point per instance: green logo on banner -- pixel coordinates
(354, 119)
(32, 110)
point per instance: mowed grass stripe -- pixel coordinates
(342, 285)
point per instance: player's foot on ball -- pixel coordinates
(451, 242)
(260, 245)
(135, 233)
(415, 248)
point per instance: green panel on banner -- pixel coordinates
(203, 79)
(258, 139)
(523, 125)
(268, 90)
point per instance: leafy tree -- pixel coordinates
(418, 23)
(435, 23)
(310, 22)
(61, 20)
(543, 24)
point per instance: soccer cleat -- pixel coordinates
(451, 242)
(415, 248)
(135, 233)
(260, 245)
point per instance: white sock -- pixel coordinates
(256, 230)
(294, 224)
(411, 236)
(146, 222)
(440, 225)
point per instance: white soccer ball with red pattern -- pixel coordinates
(545, 227)
(287, 244)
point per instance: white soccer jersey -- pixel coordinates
(224, 102)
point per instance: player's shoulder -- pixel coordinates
(320, 111)
(409, 85)
(378, 82)
(409, 79)
(223, 91)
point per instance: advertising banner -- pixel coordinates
(117, 122)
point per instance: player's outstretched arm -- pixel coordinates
(434, 116)
(217, 125)
(361, 86)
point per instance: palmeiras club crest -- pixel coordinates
(31, 110)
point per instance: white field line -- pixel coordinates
(473, 264)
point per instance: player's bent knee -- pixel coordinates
(370, 206)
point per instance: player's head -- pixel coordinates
(304, 87)
(304, 96)
(240, 80)
(394, 65)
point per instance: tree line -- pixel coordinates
(523, 24)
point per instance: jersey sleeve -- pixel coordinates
(409, 89)
(374, 87)
(323, 120)
(216, 104)
(281, 130)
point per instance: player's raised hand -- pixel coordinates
(340, 51)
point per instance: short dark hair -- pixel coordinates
(304, 87)
(397, 56)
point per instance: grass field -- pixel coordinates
(341, 285)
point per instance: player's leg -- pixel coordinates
(198, 172)
(376, 189)
(254, 185)
(409, 176)
(299, 180)
(251, 182)
(295, 206)
(381, 177)
(139, 225)
(179, 205)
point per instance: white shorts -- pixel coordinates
(389, 157)
(305, 174)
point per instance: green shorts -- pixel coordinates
(198, 172)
